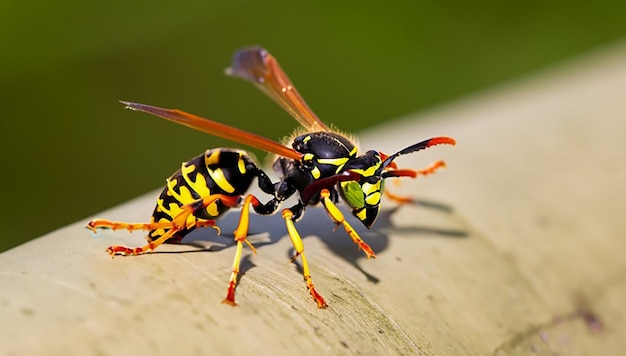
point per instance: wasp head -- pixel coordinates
(364, 195)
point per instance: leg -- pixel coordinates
(413, 174)
(122, 250)
(336, 215)
(241, 234)
(299, 247)
(183, 220)
(96, 224)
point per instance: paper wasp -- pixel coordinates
(321, 166)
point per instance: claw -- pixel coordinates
(90, 226)
(94, 232)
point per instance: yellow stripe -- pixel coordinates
(316, 173)
(214, 158)
(220, 180)
(161, 207)
(212, 209)
(241, 165)
(333, 161)
(367, 172)
(200, 185)
(362, 214)
(371, 188)
(373, 199)
(372, 192)
(339, 162)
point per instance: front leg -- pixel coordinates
(337, 216)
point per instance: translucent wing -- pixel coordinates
(258, 66)
(216, 129)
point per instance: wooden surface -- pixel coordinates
(517, 248)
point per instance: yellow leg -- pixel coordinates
(230, 294)
(241, 234)
(299, 247)
(337, 216)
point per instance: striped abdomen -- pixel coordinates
(217, 171)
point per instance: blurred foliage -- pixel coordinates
(69, 150)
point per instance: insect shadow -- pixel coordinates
(315, 223)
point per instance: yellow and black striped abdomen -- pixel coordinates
(218, 171)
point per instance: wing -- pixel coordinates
(258, 66)
(216, 129)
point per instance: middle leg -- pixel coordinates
(296, 240)
(241, 237)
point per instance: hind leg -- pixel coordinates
(298, 246)
(185, 219)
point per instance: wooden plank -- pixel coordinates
(517, 248)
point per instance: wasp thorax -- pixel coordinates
(324, 144)
(324, 153)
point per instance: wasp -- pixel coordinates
(321, 166)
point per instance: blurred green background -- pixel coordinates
(69, 150)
